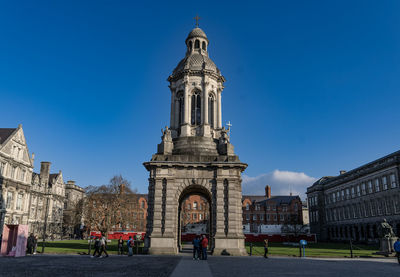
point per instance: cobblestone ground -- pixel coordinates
(175, 266)
(75, 265)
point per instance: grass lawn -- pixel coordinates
(78, 247)
(315, 250)
(312, 249)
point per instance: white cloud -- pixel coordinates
(281, 182)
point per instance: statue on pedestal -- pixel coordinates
(387, 238)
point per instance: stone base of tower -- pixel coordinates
(163, 246)
(234, 246)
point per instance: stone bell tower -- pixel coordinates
(195, 156)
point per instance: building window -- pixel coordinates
(284, 209)
(261, 217)
(196, 108)
(211, 102)
(180, 104)
(2, 168)
(194, 216)
(275, 217)
(369, 186)
(384, 183)
(393, 180)
(247, 217)
(254, 217)
(13, 169)
(142, 204)
(268, 208)
(377, 188)
(333, 197)
(353, 194)
(268, 217)
(9, 199)
(342, 193)
(281, 217)
(358, 191)
(200, 216)
(203, 45)
(197, 44)
(194, 205)
(363, 189)
(247, 207)
(188, 206)
(19, 202)
(295, 207)
(347, 194)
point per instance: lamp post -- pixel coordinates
(45, 220)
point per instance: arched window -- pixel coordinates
(190, 45)
(211, 103)
(196, 44)
(196, 108)
(194, 205)
(203, 45)
(180, 106)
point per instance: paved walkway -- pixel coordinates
(188, 267)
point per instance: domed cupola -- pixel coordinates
(196, 58)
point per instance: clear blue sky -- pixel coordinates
(311, 86)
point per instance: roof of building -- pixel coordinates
(52, 177)
(196, 32)
(278, 199)
(359, 171)
(196, 61)
(253, 198)
(5, 133)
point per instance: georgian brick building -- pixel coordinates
(267, 214)
(195, 209)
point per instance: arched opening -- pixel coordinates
(196, 109)
(190, 45)
(197, 44)
(194, 217)
(180, 104)
(203, 45)
(211, 108)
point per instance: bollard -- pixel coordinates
(351, 249)
(251, 248)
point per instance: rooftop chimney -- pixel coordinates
(267, 192)
(45, 172)
(70, 182)
(342, 172)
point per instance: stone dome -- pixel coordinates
(197, 32)
(196, 61)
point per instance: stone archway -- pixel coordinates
(205, 193)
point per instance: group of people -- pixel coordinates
(130, 243)
(200, 245)
(100, 247)
(31, 244)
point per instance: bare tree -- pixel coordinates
(294, 226)
(110, 206)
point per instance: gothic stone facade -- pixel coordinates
(195, 157)
(26, 197)
(351, 205)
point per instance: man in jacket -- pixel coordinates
(103, 245)
(266, 248)
(396, 247)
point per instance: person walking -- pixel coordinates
(120, 246)
(130, 244)
(196, 248)
(204, 245)
(103, 246)
(396, 247)
(265, 248)
(35, 245)
(96, 248)
(30, 244)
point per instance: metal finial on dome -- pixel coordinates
(197, 18)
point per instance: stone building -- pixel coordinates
(16, 167)
(26, 197)
(47, 196)
(72, 222)
(195, 157)
(267, 213)
(352, 204)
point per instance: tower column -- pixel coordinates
(206, 124)
(185, 128)
(219, 108)
(173, 109)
